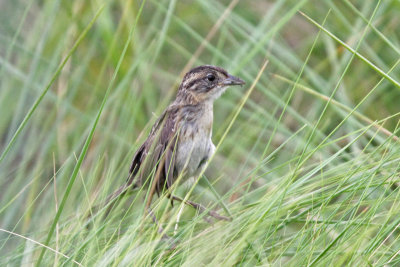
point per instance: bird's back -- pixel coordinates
(155, 157)
(179, 143)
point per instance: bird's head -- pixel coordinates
(205, 83)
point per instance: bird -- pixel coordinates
(179, 143)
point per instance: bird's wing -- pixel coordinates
(155, 159)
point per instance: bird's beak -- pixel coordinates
(232, 80)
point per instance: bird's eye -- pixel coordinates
(210, 77)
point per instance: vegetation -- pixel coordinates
(308, 157)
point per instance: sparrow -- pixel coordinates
(179, 143)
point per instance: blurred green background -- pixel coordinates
(308, 169)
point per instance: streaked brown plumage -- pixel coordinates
(180, 140)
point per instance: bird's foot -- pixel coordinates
(201, 208)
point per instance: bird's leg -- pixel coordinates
(200, 208)
(161, 229)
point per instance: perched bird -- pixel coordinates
(180, 140)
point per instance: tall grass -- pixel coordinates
(308, 160)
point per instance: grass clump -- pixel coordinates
(308, 157)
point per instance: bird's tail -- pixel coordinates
(110, 201)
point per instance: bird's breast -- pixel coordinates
(195, 145)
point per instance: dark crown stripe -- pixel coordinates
(208, 67)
